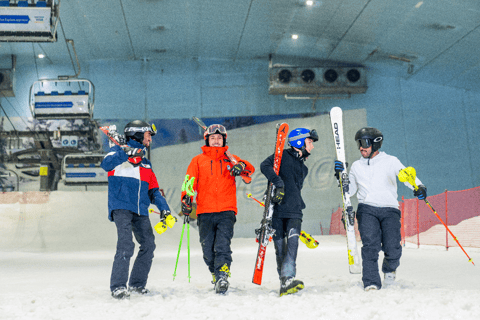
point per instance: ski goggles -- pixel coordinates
(216, 128)
(152, 129)
(366, 143)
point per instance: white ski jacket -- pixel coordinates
(375, 180)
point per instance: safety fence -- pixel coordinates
(459, 210)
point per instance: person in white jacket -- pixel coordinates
(374, 179)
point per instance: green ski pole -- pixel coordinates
(179, 247)
(188, 245)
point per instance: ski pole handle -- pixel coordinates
(408, 175)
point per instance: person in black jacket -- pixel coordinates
(287, 214)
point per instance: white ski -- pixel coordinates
(336, 117)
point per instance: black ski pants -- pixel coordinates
(127, 222)
(379, 229)
(216, 233)
(287, 232)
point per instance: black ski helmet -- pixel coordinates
(135, 130)
(214, 129)
(367, 137)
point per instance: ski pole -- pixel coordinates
(249, 195)
(409, 174)
(188, 245)
(179, 247)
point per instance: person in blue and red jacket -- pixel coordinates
(212, 176)
(132, 187)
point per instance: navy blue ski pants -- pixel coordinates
(285, 239)
(216, 233)
(126, 223)
(379, 230)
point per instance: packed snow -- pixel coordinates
(432, 283)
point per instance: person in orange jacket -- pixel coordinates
(211, 175)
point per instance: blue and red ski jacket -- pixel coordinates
(131, 187)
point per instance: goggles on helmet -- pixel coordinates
(312, 134)
(366, 142)
(216, 128)
(152, 129)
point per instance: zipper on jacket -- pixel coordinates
(211, 167)
(139, 187)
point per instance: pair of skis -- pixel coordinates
(336, 118)
(266, 231)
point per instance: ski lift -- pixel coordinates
(21, 21)
(83, 169)
(55, 99)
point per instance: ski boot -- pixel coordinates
(288, 285)
(371, 287)
(138, 290)
(121, 293)
(221, 285)
(214, 280)
(389, 278)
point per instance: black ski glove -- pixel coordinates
(421, 192)
(237, 169)
(278, 195)
(186, 205)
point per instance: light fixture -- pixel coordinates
(309, 3)
(294, 36)
(41, 56)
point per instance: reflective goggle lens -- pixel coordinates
(216, 127)
(364, 143)
(154, 128)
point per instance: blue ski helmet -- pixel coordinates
(296, 138)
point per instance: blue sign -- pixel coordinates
(14, 19)
(66, 104)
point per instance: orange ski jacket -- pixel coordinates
(214, 185)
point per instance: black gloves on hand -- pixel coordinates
(237, 169)
(278, 195)
(186, 205)
(421, 192)
(133, 152)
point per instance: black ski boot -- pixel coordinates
(138, 290)
(221, 285)
(121, 293)
(290, 285)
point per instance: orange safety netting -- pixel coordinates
(459, 210)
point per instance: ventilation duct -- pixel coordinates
(317, 80)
